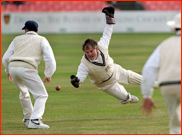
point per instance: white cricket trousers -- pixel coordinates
(173, 103)
(28, 80)
(117, 90)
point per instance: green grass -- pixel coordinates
(87, 110)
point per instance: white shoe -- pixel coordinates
(130, 99)
(26, 122)
(127, 100)
(37, 124)
(134, 99)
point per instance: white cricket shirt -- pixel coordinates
(83, 71)
(48, 56)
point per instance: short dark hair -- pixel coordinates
(89, 42)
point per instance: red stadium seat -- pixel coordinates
(11, 7)
(23, 8)
(55, 6)
(3, 8)
(162, 5)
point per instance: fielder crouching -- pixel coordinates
(21, 61)
(101, 69)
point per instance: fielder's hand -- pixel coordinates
(10, 78)
(74, 81)
(47, 79)
(109, 12)
(147, 106)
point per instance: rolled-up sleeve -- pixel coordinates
(49, 59)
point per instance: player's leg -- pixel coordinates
(35, 85)
(119, 92)
(24, 96)
(173, 103)
(127, 76)
(130, 77)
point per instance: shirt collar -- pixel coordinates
(32, 32)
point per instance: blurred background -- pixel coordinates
(85, 16)
(41, 6)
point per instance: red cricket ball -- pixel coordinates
(58, 88)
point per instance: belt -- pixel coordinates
(20, 63)
(170, 83)
(107, 79)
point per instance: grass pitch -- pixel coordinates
(87, 110)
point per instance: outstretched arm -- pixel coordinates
(105, 39)
(82, 73)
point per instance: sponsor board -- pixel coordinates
(88, 22)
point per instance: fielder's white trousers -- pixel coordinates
(173, 103)
(28, 80)
(117, 90)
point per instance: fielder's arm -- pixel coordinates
(81, 75)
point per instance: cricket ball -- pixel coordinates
(58, 88)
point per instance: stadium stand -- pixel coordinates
(127, 5)
(54, 6)
(162, 5)
(42, 6)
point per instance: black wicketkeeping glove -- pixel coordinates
(74, 81)
(109, 12)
